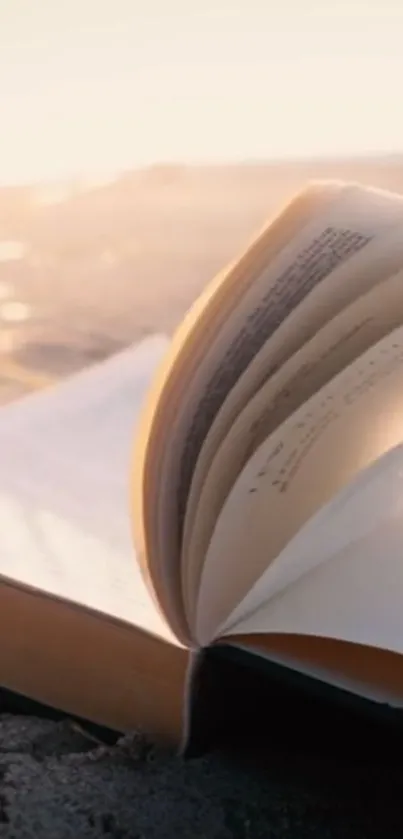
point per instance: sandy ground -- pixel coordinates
(99, 272)
(56, 783)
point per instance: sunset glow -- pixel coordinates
(92, 86)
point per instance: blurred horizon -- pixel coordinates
(55, 188)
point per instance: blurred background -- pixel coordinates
(143, 143)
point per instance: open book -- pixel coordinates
(261, 507)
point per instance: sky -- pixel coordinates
(90, 87)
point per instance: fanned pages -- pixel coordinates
(377, 260)
(339, 431)
(332, 348)
(215, 343)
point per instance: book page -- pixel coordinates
(199, 347)
(64, 488)
(369, 672)
(335, 346)
(320, 448)
(348, 517)
(381, 257)
(355, 596)
(349, 219)
(352, 220)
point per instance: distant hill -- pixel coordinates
(104, 265)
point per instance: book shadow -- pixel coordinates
(249, 706)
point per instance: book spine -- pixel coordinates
(199, 706)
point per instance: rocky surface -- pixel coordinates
(57, 781)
